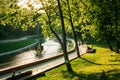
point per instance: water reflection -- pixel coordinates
(51, 48)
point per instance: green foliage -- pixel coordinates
(91, 18)
(103, 17)
(50, 18)
(13, 15)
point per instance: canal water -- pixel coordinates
(51, 48)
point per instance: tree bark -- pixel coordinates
(73, 29)
(108, 42)
(49, 23)
(116, 25)
(69, 68)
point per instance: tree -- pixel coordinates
(18, 21)
(117, 16)
(49, 20)
(73, 29)
(104, 20)
(49, 11)
(64, 39)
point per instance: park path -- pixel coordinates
(42, 67)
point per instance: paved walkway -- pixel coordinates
(46, 65)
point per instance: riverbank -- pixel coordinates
(15, 44)
(16, 40)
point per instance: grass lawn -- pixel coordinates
(88, 67)
(5, 47)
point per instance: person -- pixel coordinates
(91, 50)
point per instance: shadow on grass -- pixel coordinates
(80, 76)
(89, 61)
(109, 75)
(114, 74)
(116, 60)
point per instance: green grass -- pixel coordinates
(88, 67)
(5, 47)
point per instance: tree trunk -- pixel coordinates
(74, 34)
(49, 23)
(116, 25)
(119, 44)
(108, 41)
(69, 68)
(109, 45)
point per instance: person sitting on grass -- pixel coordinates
(90, 50)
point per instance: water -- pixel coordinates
(51, 48)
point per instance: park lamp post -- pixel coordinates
(39, 46)
(38, 32)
